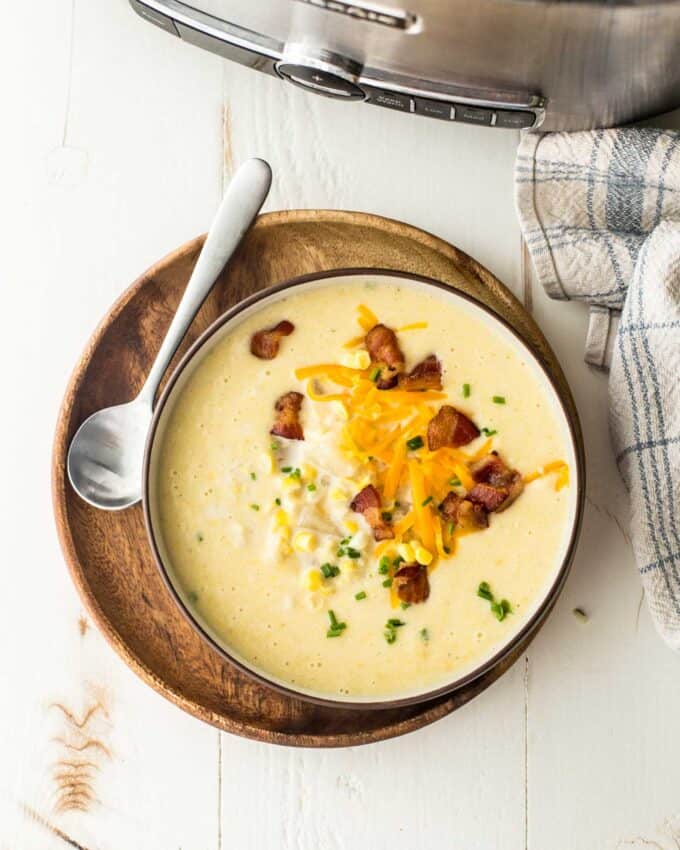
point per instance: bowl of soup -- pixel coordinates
(363, 488)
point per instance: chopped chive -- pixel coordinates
(396, 561)
(360, 595)
(330, 570)
(387, 582)
(333, 633)
(375, 374)
(387, 516)
(426, 501)
(274, 446)
(405, 605)
(286, 469)
(253, 476)
(489, 432)
(415, 443)
(395, 624)
(390, 636)
(345, 551)
(277, 501)
(333, 618)
(498, 399)
(296, 473)
(580, 614)
(455, 481)
(484, 591)
(466, 390)
(449, 528)
(255, 507)
(311, 487)
(384, 565)
(192, 596)
(424, 635)
(200, 537)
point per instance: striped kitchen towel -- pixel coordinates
(600, 213)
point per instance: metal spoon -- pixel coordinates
(106, 455)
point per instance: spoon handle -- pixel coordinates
(241, 203)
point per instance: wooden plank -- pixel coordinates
(112, 160)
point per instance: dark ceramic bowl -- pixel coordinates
(540, 609)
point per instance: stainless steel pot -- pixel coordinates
(498, 63)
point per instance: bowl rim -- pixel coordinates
(529, 629)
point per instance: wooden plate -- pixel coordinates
(108, 554)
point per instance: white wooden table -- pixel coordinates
(116, 143)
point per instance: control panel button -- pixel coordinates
(389, 99)
(515, 119)
(154, 17)
(321, 82)
(434, 108)
(473, 114)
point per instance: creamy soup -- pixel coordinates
(262, 535)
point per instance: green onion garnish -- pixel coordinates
(489, 432)
(387, 582)
(274, 446)
(500, 609)
(277, 501)
(396, 561)
(449, 528)
(466, 390)
(336, 628)
(384, 565)
(405, 605)
(253, 476)
(498, 399)
(415, 443)
(424, 635)
(255, 507)
(200, 537)
(296, 473)
(387, 516)
(395, 624)
(374, 375)
(330, 570)
(426, 501)
(360, 595)
(286, 469)
(311, 487)
(455, 481)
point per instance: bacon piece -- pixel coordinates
(367, 503)
(287, 422)
(462, 512)
(490, 498)
(427, 375)
(265, 343)
(450, 427)
(411, 583)
(383, 348)
(492, 471)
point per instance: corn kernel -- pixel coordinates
(283, 532)
(338, 495)
(304, 541)
(308, 472)
(356, 359)
(351, 526)
(281, 517)
(291, 484)
(405, 550)
(423, 555)
(313, 580)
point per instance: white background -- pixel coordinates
(116, 143)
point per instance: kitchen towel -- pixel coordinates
(600, 213)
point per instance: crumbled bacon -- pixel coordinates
(265, 343)
(450, 427)
(463, 513)
(367, 502)
(492, 473)
(427, 375)
(411, 583)
(287, 422)
(383, 348)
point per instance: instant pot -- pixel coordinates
(498, 63)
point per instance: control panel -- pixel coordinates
(324, 72)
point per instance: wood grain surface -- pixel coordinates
(108, 553)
